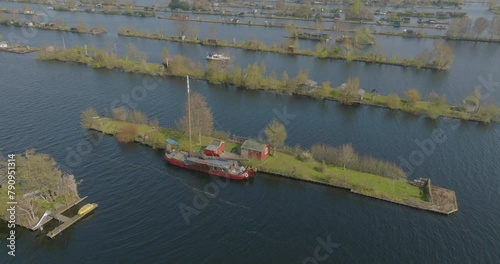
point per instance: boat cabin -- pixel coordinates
(215, 148)
(254, 149)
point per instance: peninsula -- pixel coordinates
(319, 165)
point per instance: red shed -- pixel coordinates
(215, 148)
(254, 149)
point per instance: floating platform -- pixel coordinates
(67, 222)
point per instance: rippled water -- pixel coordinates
(268, 220)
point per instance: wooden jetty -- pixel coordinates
(67, 222)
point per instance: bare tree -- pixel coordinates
(193, 31)
(202, 121)
(212, 32)
(347, 155)
(495, 26)
(133, 53)
(459, 27)
(480, 25)
(443, 54)
(181, 27)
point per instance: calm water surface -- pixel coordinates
(268, 220)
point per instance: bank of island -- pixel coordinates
(36, 194)
(253, 78)
(340, 167)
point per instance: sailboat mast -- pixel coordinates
(189, 114)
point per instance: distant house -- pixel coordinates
(254, 149)
(3, 44)
(308, 86)
(215, 148)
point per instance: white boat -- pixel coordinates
(216, 56)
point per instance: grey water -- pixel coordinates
(268, 220)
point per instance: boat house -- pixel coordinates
(215, 148)
(254, 149)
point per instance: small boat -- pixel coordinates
(216, 56)
(87, 208)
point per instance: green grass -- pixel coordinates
(181, 69)
(110, 126)
(396, 190)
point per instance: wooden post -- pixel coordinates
(189, 114)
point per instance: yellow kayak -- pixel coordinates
(87, 208)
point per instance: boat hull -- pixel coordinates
(203, 168)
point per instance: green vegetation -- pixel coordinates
(178, 4)
(287, 164)
(358, 11)
(346, 157)
(275, 134)
(363, 38)
(253, 77)
(58, 25)
(202, 120)
(40, 186)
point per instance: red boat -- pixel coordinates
(227, 168)
(223, 168)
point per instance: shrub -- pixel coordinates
(88, 117)
(393, 101)
(322, 167)
(127, 133)
(119, 113)
(137, 117)
(345, 156)
(155, 139)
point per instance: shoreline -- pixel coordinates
(375, 32)
(258, 46)
(432, 110)
(396, 191)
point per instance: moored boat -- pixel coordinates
(87, 208)
(223, 168)
(228, 168)
(216, 56)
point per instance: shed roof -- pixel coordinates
(214, 145)
(253, 145)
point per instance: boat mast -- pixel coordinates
(189, 113)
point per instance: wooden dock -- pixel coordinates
(67, 222)
(58, 212)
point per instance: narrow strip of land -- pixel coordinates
(252, 78)
(400, 191)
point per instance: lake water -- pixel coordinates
(270, 219)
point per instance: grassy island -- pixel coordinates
(322, 51)
(252, 78)
(59, 26)
(39, 186)
(296, 164)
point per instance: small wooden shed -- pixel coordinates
(215, 148)
(254, 149)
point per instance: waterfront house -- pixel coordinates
(3, 44)
(254, 149)
(215, 148)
